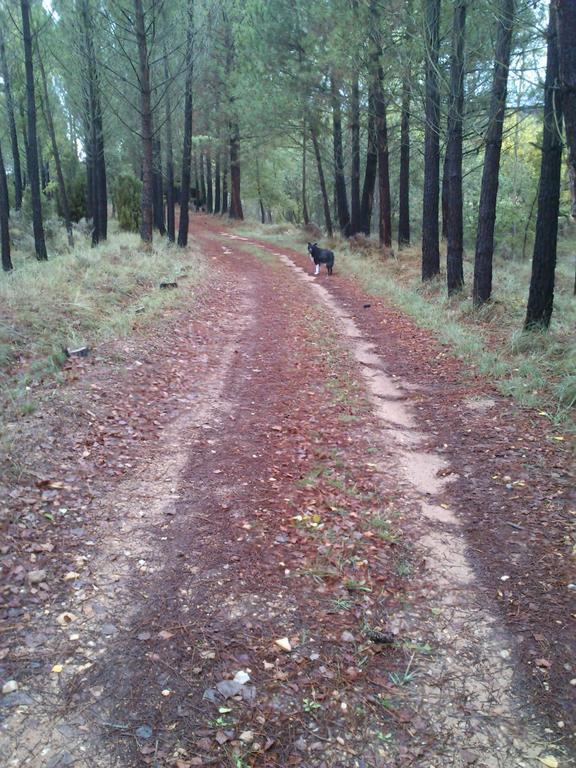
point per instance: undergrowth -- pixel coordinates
(536, 368)
(82, 297)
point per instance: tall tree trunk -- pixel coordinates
(305, 214)
(170, 212)
(95, 159)
(146, 131)
(385, 226)
(209, 186)
(444, 201)
(322, 180)
(355, 206)
(100, 164)
(16, 169)
(566, 16)
(92, 175)
(385, 218)
(89, 148)
(33, 173)
(44, 172)
(4, 218)
(23, 119)
(355, 211)
(198, 198)
(187, 144)
(339, 177)
(235, 198)
(47, 112)
(202, 174)
(89, 144)
(454, 257)
(430, 232)
(225, 187)
(217, 182)
(541, 296)
(371, 168)
(157, 187)
(404, 180)
(259, 191)
(489, 190)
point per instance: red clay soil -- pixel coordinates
(279, 524)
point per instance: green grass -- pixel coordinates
(536, 369)
(382, 528)
(83, 297)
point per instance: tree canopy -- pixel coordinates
(417, 117)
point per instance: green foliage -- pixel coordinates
(48, 206)
(127, 201)
(77, 196)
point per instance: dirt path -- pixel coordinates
(284, 575)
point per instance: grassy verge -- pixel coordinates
(537, 369)
(78, 298)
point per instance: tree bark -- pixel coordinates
(209, 186)
(101, 171)
(259, 191)
(17, 171)
(430, 230)
(566, 20)
(404, 181)
(371, 168)
(305, 214)
(95, 159)
(541, 296)
(225, 187)
(23, 119)
(377, 73)
(100, 163)
(44, 169)
(187, 143)
(355, 210)
(385, 225)
(482, 289)
(47, 112)
(89, 176)
(146, 131)
(444, 202)
(157, 187)
(322, 180)
(217, 183)
(170, 212)
(198, 198)
(455, 233)
(235, 175)
(235, 207)
(202, 175)
(4, 218)
(33, 171)
(339, 178)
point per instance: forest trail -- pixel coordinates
(325, 557)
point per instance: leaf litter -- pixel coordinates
(199, 624)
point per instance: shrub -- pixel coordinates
(77, 197)
(48, 206)
(127, 202)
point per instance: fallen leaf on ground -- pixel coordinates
(549, 761)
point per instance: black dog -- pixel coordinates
(321, 256)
